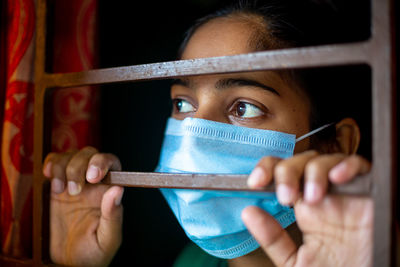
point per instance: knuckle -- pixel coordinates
(89, 149)
(57, 169)
(51, 156)
(355, 159)
(360, 163)
(57, 162)
(61, 160)
(311, 152)
(101, 160)
(96, 158)
(284, 171)
(55, 158)
(268, 161)
(314, 166)
(74, 172)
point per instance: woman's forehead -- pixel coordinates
(233, 35)
(219, 37)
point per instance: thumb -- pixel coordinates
(109, 232)
(273, 239)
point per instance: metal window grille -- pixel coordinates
(377, 52)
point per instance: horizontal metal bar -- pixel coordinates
(341, 54)
(359, 186)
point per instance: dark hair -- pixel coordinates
(334, 92)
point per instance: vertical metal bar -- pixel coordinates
(38, 133)
(383, 131)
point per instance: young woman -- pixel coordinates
(86, 218)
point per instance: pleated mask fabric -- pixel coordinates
(211, 219)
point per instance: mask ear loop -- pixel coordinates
(314, 131)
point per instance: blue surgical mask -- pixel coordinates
(212, 219)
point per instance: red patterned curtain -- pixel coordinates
(75, 49)
(74, 110)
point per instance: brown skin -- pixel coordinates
(85, 226)
(336, 229)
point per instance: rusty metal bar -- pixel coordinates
(360, 186)
(384, 131)
(38, 181)
(329, 55)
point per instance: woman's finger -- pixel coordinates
(109, 231)
(54, 168)
(316, 176)
(99, 165)
(349, 168)
(261, 176)
(48, 164)
(288, 174)
(273, 239)
(76, 170)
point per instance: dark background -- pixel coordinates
(133, 115)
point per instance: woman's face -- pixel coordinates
(261, 99)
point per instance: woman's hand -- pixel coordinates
(337, 230)
(85, 219)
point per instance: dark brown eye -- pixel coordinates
(241, 109)
(247, 110)
(183, 106)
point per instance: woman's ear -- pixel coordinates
(347, 136)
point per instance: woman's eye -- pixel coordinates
(247, 110)
(183, 106)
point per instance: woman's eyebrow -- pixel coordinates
(231, 82)
(181, 81)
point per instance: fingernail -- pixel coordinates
(338, 171)
(47, 170)
(285, 194)
(256, 177)
(118, 200)
(74, 188)
(57, 185)
(92, 173)
(312, 192)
